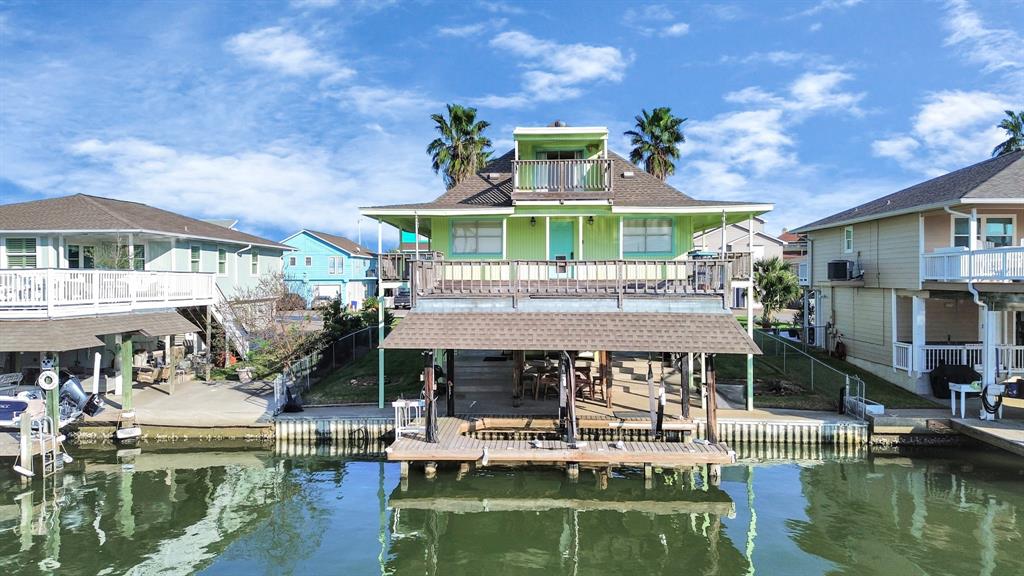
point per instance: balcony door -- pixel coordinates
(557, 175)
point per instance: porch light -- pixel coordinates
(590, 220)
(533, 221)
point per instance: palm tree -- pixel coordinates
(775, 285)
(656, 141)
(1014, 126)
(461, 149)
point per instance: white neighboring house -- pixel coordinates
(84, 274)
(737, 239)
(932, 274)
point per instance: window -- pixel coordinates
(962, 232)
(993, 231)
(74, 253)
(309, 260)
(291, 260)
(222, 261)
(998, 231)
(335, 265)
(21, 252)
(139, 257)
(848, 239)
(196, 254)
(647, 236)
(561, 155)
(478, 237)
(254, 262)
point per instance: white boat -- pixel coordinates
(74, 401)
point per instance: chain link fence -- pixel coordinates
(786, 357)
(308, 369)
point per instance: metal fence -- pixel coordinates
(306, 370)
(786, 357)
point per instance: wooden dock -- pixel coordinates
(454, 444)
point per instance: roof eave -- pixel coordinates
(266, 244)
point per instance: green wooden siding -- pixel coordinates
(601, 239)
(525, 242)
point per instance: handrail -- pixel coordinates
(992, 264)
(562, 175)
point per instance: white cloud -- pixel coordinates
(814, 27)
(502, 8)
(475, 29)
(655, 19)
(753, 140)
(997, 49)
(811, 92)
(952, 129)
(828, 6)
(262, 187)
(677, 29)
(384, 101)
(314, 3)
(285, 52)
(555, 71)
(900, 147)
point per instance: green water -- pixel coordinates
(244, 512)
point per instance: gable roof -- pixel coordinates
(999, 178)
(339, 242)
(84, 213)
(491, 187)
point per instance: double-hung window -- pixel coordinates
(254, 262)
(195, 258)
(477, 238)
(81, 256)
(291, 260)
(222, 261)
(993, 231)
(139, 257)
(848, 239)
(21, 252)
(309, 261)
(962, 232)
(646, 236)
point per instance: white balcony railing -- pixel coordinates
(53, 293)
(1009, 358)
(990, 265)
(562, 175)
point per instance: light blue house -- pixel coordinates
(325, 265)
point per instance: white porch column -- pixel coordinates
(750, 311)
(724, 239)
(990, 337)
(380, 313)
(894, 323)
(918, 317)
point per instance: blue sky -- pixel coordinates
(292, 114)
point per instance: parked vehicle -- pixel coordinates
(403, 298)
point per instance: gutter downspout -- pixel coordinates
(239, 253)
(988, 357)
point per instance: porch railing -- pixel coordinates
(1009, 358)
(575, 277)
(994, 264)
(562, 175)
(51, 293)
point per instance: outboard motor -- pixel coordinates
(74, 398)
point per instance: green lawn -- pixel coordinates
(357, 382)
(775, 387)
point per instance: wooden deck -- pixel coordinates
(454, 445)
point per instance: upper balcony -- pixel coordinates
(612, 279)
(963, 265)
(558, 162)
(56, 293)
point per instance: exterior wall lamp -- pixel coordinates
(590, 220)
(533, 221)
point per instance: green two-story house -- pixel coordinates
(558, 231)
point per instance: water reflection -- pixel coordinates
(224, 511)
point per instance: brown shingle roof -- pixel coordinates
(492, 187)
(77, 333)
(612, 331)
(84, 212)
(343, 243)
(1001, 177)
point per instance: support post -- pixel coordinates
(517, 378)
(685, 381)
(25, 440)
(428, 394)
(919, 318)
(609, 378)
(126, 372)
(651, 402)
(990, 321)
(750, 312)
(380, 317)
(209, 342)
(712, 401)
(450, 393)
(97, 359)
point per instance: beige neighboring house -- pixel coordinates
(932, 274)
(737, 239)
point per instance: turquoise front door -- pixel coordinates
(562, 243)
(561, 246)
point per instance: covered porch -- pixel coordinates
(562, 399)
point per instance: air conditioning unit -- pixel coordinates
(841, 270)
